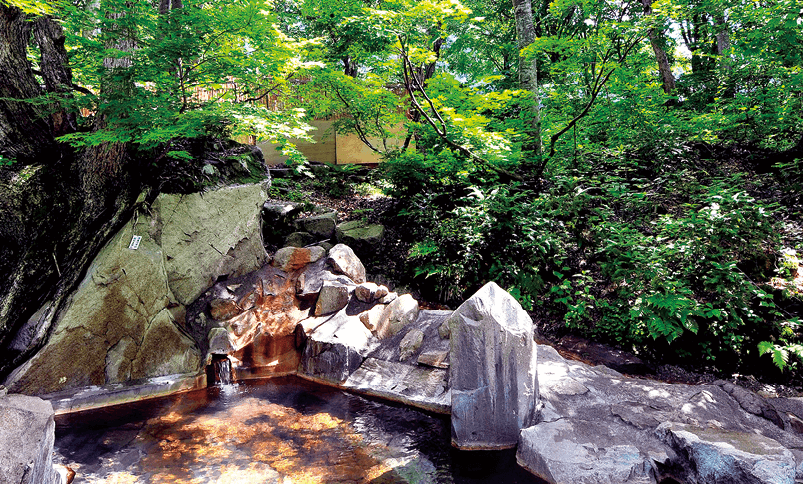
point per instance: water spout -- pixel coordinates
(221, 369)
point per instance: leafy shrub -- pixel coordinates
(410, 173)
(683, 275)
(498, 234)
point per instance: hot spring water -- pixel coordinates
(282, 431)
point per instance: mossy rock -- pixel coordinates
(360, 235)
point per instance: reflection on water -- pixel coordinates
(281, 431)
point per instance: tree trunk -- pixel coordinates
(723, 42)
(528, 71)
(664, 69)
(350, 66)
(25, 131)
(57, 208)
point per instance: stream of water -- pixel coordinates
(283, 430)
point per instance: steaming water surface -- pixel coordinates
(282, 431)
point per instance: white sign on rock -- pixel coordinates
(135, 240)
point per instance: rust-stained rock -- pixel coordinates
(371, 317)
(291, 259)
(222, 309)
(262, 337)
(369, 292)
(365, 291)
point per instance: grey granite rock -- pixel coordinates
(27, 432)
(311, 279)
(492, 371)
(565, 452)
(360, 234)
(333, 297)
(371, 317)
(280, 210)
(423, 388)
(715, 455)
(336, 346)
(411, 343)
(397, 315)
(320, 226)
(299, 239)
(344, 261)
(693, 434)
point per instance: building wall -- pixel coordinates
(329, 147)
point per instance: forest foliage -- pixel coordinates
(643, 188)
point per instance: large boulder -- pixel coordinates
(26, 441)
(493, 371)
(336, 346)
(126, 320)
(209, 235)
(100, 337)
(599, 426)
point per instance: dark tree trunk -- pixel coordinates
(25, 130)
(350, 66)
(57, 207)
(55, 71)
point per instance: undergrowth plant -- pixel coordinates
(673, 265)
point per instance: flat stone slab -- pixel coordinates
(569, 451)
(103, 396)
(425, 388)
(600, 426)
(729, 456)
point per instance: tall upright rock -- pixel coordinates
(493, 371)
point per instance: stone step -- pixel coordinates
(421, 387)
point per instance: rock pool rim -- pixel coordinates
(118, 394)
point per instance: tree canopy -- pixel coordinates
(632, 168)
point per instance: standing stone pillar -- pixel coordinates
(492, 372)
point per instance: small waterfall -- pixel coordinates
(221, 368)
